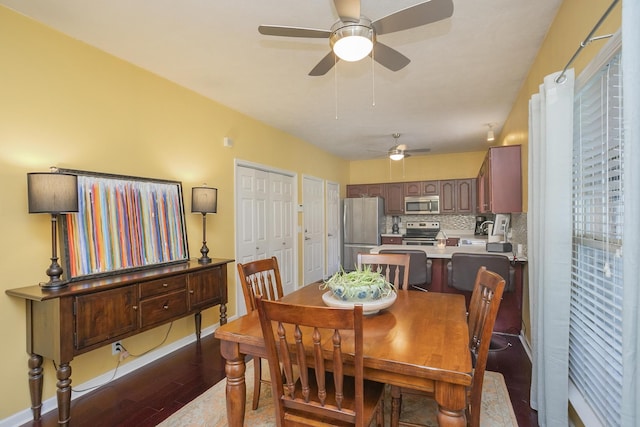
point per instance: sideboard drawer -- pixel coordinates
(162, 308)
(162, 286)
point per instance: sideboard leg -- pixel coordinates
(198, 319)
(35, 385)
(64, 393)
(223, 314)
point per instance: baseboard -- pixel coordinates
(51, 404)
(527, 346)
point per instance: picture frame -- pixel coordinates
(124, 223)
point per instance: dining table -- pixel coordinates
(421, 342)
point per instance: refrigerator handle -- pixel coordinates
(344, 221)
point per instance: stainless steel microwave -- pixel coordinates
(422, 205)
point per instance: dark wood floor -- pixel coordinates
(150, 394)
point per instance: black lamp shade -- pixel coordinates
(204, 200)
(52, 192)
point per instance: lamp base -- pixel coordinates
(204, 259)
(52, 285)
(54, 272)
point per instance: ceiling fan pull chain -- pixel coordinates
(335, 73)
(373, 78)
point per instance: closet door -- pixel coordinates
(281, 227)
(251, 220)
(265, 222)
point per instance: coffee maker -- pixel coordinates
(479, 221)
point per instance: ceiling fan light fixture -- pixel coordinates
(396, 155)
(490, 135)
(352, 42)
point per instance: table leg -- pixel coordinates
(236, 387)
(35, 385)
(452, 401)
(64, 393)
(396, 405)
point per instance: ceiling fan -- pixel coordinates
(400, 151)
(354, 36)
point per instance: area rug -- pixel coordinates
(209, 409)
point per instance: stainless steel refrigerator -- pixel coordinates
(363, 222)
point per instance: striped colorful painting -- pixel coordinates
(124, 223)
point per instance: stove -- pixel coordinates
(421, 233)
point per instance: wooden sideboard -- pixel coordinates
(88, 314)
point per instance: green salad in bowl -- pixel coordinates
(359, 285)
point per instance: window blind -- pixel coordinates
(595, 331)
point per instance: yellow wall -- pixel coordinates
(417, 168)
(66, 104)
(572, 24)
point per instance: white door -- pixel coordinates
(281, 227)
(333, 228)
(313, 232)
(265, 223)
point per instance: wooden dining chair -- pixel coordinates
(394, 267)
(326, 344)
(261, 277)
(483, 310)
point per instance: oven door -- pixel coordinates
(418, 242)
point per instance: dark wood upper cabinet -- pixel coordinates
(448, 196)
(466, 195)
(430, 188)
(394, 198)
(376, 190)
(366, 190)
(499, 182)
(413, 188)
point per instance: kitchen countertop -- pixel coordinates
(447, 251)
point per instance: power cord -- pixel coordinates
(123, 352)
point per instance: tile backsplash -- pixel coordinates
(466, 224)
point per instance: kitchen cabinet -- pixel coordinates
(413, 188)
(394, 199)
(457, 196)
(466, 196)
(366, 190)
(391, 240)
(421, 188)
(499, 182)
(448, 197)
(430, 188)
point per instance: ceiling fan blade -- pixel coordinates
(389, 57)
(278, 30)
(414, 16)
(348, 10)
(419, 150)
(324, 65)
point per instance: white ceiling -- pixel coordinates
(465, 71)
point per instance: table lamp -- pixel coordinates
(204, 200)
(53, 193)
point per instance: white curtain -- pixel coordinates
(549, 240)
(631, 245)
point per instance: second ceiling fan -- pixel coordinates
(354, 36)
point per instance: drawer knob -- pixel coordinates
(164, 285)
(165, 306)
(135, 307)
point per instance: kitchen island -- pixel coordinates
(509, 319)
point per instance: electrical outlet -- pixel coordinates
(116, 347)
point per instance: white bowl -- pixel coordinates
(368, 307)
